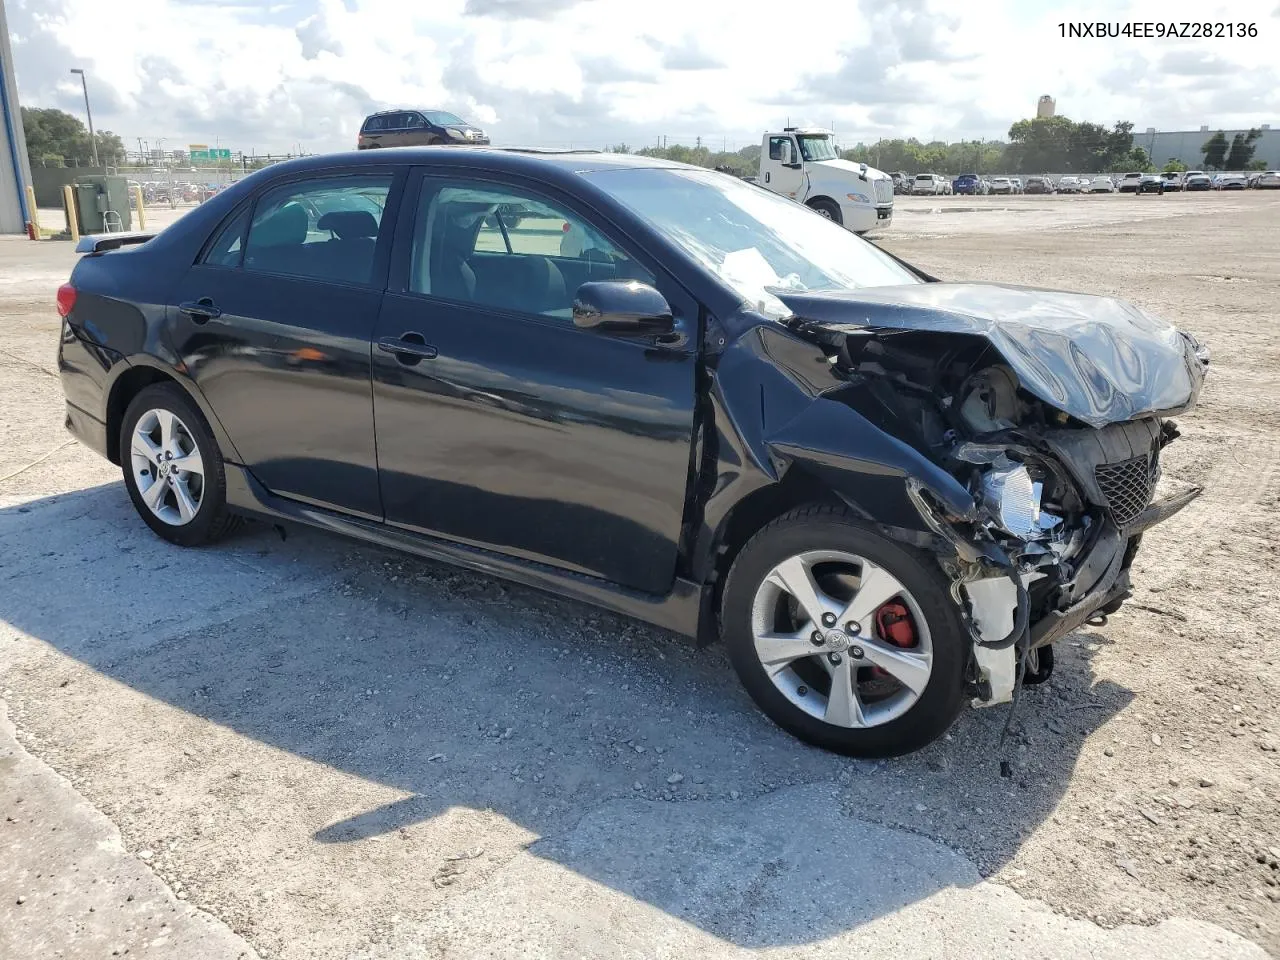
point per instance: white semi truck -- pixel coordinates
(802, 163)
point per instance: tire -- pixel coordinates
(210, 519)
(827, 208)
(822, 531)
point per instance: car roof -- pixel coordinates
(495, 159)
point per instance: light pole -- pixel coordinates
(93, 141)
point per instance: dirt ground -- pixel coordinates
(317, 749)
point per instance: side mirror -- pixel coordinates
(621, 306)
(862, 170)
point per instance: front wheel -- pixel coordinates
(844, 638)
(828, 209)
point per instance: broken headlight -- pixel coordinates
(1012, 498)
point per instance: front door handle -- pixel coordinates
(201, 310)
(409, 348)
(766, 176)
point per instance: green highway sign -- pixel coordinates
(207, 154)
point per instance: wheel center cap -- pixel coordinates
(836, 640)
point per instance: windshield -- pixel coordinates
(442, 119)
(817, 148)
(752, 239)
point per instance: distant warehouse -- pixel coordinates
(1187, 145)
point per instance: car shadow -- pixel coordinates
(634, 756)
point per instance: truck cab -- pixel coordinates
(802, 163)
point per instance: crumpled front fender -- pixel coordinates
(776, 407)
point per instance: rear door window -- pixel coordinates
(228, 244)
(322, 229)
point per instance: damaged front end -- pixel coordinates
(1049, 410)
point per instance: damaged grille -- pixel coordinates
(1127, 486)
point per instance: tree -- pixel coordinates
(1059, 143)
(1175, 166)
(56, 138)
(1243, 147)
(1256, 165)
(1138, 159)
(1215, 151)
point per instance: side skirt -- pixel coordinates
(678, 611)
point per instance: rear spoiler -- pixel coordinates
(102, 242)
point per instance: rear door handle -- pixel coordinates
(200, 310)
(409, 348)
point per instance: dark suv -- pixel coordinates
(417, 128)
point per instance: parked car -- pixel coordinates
(969, 184)
(1070, 184)
(411, 128)
(1150, 183)
(930, 184)
(1172, 180)
(1229, 181)
(1129, 183)
(1017, 184)
(1039, 185)
(901, 181)
(1196, 180)
(902, 491)
(1268, 180)
(1101, 185)
(1000, 185)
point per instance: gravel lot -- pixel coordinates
(312, 748)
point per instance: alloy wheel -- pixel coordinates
(818, 624)
(167, 466)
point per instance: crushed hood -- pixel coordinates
(1097, 358)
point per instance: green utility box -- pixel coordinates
(102, 204)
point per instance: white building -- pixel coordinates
(15, 172)
(1046, 106)
(1187, 145)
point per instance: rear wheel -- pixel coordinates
(844, 638)
(827, 208)
(173, 469)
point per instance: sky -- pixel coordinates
(283, 75)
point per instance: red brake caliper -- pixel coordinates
(894, 625)
(893, 622)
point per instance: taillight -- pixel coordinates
(66, 299)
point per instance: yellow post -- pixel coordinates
(35, 213)
(73, 223)
(142, 214)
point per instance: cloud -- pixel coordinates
(519, 9)
(686, 55)
(900, 34)
(605, 70)
(269, 74)
(1194, 63)
(314, 35)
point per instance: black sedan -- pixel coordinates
(1150, 183)
(650, 387)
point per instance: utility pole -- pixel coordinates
(93, 141)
